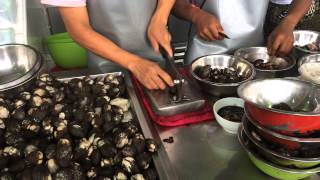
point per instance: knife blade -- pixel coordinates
(224, 35)
(176, 90)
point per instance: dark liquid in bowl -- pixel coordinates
(232, 113)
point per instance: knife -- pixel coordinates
(224, 35)
(176, 90)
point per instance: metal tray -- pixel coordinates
(161, 159)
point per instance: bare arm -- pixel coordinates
(280, 41)
(208, 26)
(185, 10)
(157, 30)
(78, 26)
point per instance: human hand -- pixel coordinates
(159, 35)
(208, 26)
(280, 41)
(150, 74)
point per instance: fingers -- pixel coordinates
(279, 45)
(154, 44)
(166, 44)
(273, 45)
(211, 33)
(285, 48)
(160, 84)
(165, 77)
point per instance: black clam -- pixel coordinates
(151, 145)
(129, 151)
(63, 174)
(150, 174)
(129, 165)
(108, 151)
(143, 160)
(64, 153)
(121, 139)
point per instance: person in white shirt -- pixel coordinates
(242, 21)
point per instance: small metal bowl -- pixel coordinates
(19, 65)
(302, 38)
(261, 138)
(313, 59)
(270, 168)
(222, 61)
(260, 95)
(252, 54)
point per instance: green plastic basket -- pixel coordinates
(65, 52)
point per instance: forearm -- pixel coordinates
(163, 10)
(185, 10)
(79, 28)
(297, 11)
(102, 46)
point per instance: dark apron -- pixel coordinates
(242, 21)
(124, 22)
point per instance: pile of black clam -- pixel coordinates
(81, 129)
(217, 75)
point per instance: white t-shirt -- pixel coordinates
(281, 1)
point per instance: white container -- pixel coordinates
(229, 126)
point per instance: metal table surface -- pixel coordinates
(201, 151)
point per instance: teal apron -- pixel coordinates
(124, 22)
(242, 21)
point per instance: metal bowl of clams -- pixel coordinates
(220, 75)
(309, 68)
(306, 42)
(20, 64)
(287, 106)
(266, 66)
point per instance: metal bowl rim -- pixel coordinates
(278, 135)
(277, 110)
(253, 74)
(26, 77)
(303, 59)
(286, 58)
(304, 50)
(246, 121)
(270, 164)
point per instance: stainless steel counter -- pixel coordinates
(202, 151)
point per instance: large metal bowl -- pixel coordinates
(302, 38)
(310, 61)
(261, 95)
(19, 65)
(252, 54)
(284, 150)
(223, 61)
(270, 168)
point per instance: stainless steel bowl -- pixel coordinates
(272, 151)
(251, 54)
(314, 62)
(261, 95)
(302, 38)
(222, 61)
(270, 168)
(19, 65)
